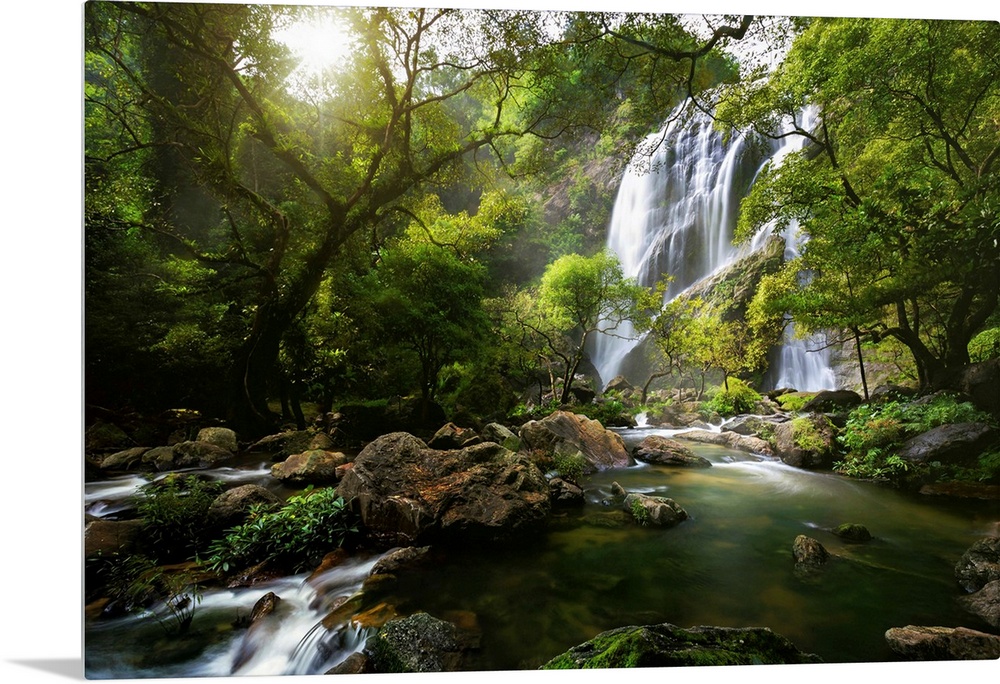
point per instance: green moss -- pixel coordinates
(807, 436)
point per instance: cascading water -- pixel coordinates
(675, 214)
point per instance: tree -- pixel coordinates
(289, 183)
(898, 190)
(580, 297)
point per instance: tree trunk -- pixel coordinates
(861, 361)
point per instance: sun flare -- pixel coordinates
(319, 43)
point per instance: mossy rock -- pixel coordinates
(666, 645)
(853, 532)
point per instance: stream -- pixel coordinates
(730, 565)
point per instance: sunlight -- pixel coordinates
(319, 42)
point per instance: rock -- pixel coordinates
(199, 455)
(321, 440)
(582, 394)
(806, 442)
(356, 663)
(451, 436)
(127, 459)
(618, 384)
(232, 507)
(159, 458)
(753, 445)
(219, 436)
(407, 493)
(657, 511)
(102, 436)
(753, 425)
(955, 443)
(664, 451)
(565, 493)
(495, 432)
(832, 401)
(985, 603)
(808, 552)
(104, 537)
(259, 630)
(566, 432)
(284, 444)
(333, 559)
(942, 643)
(962, 490)
(853, 532)
(666, 645)
(316, 467)
(398, 559)
(980, 381)
(418, 643)
(617, 491)
(265, 605)
(979, 565)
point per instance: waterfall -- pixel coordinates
(675, 214)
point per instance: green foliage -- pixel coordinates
(138, 583)
(608, 412)
(739, 398)
(793, 402)
(295, 537)
(174, 514)
(985, 345)
(571, 466)
(874, 432)
(807, 436)
(639, 512)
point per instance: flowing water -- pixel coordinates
(594, 569)
(675, 215)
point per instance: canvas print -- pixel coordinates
(431, 340)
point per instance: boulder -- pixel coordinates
(565, 493)
(582, 394)
(104, 537)
(985, 603)
(832, 401)
(451, 436)
(666, 645)
(955, 443)
(196, 454)
(806, 442)
(853, 532)
(418, 643)
(102, 436)
(565, 432)
(284, 444)
(495, 432)
(316, 467)
(656, 511)
(665, 451)
(753, 445)
(619, 383)
(749, 425)
(232, 507)
(979, 565)
(980, 381)
(808, 552)
(406, 492)
(398, 559)
(259, 630)
(127, 459)
(942, 643)
(219, 436)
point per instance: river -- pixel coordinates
(730, 564)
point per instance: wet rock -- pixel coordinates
(317, 467)
(102, 436)
(979, 382)
(260, 630)
(979, 565)
(283, 444)
(832, 401)
(565, 493)
(808, 552)
(566, 432)
(195, 454)
(495, 432)
(232, 507)
(656, 511)
(418, 643)
(451, 436)
(219, 436)
(985, 603)
(398, 559)
(753, 445)
(618, 384)
(962, 490)
(806, 442)
(666, 645)
(853, 532)
(356, 663)
(950, 443)
(942, 643)
(332, 560)
(104, 537)
(159, 458)
(127, 459)
(407, 493)
(751, 425)
(664, 451)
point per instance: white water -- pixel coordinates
(675, 215)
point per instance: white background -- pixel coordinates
(41, 347)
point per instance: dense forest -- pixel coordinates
(343, 229)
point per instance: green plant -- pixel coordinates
(296, 536)
(794, 402)
(174, 512)
(570, 465)
(985, 345)
(139, 583)
(808, 436)
(639, 512)
(739, 398)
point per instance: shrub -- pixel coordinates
(296, 536)
(985, 345)
(570, 466)
(794, 402)
(174, 512)
(807, 436)
(136, 582)
(739, 398)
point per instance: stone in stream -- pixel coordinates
(418, 643)
(316, 466)
(985, 603)
(661, 450)
(942, 643)
(979, 565)
(666, 645)
(565, 432)
(808, 553)
(853, 532)
(232, 507)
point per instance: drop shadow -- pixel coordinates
(70, 668)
